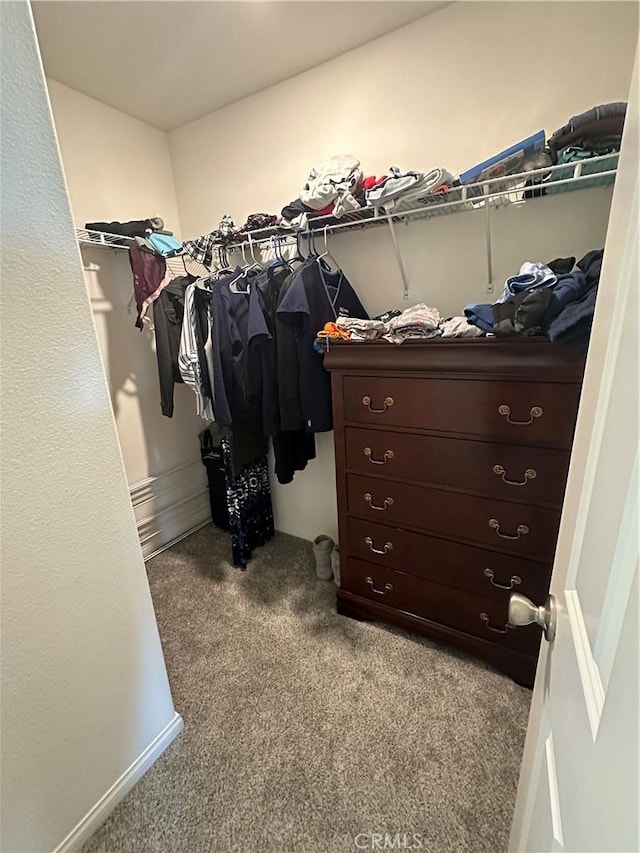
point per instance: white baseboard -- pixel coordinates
(170, 505)
(107, 803)
(175, 541)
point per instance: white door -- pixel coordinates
(579, 782)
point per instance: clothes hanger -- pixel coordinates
(327, 253)
(311, 237)
(298, 257)
(245, 262)
(233, 286)
(193, 276)
(317, 257)
(256, 262)
(278, 259)
(222, 268)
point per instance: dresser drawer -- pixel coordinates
(465, 567)
(513, 528)
(473, 614)
(521, 411)
(534, 475)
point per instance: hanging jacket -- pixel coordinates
(316, 295)
(149, 279)
(168, 314)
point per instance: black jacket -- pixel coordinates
(168, 312)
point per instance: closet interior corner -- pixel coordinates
(370, 332)
(344, 261)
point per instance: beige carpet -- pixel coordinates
(306, 732)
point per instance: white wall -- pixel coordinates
(447, 90)
(118, 168)
(84, 686)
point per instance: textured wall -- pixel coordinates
(84, 687)
(447, 90)
(117, 167)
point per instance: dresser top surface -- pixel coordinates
(530, 358)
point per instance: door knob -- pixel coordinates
(522, 611)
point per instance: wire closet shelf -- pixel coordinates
(496, 192)
(493, 193)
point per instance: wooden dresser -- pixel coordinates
(451, 459)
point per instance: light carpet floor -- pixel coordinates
(305, 731)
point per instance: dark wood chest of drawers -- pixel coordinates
(451, 460)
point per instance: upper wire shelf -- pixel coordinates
(100, 239)
(496, 192)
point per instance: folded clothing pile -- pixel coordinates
(201, 248)
(333, 188)
(160, 243)
(409, 186)
(418, 322)
(258, 222)
(551, 299)
(227, 233)
(334, 182)
(459, 327)
(593, 133)
(133, 228)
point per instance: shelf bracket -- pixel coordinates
(487, 229)
(396, 248)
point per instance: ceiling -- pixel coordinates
(169, 63)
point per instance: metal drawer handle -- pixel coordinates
(529, 474)
(388, 402)
(388, 546)
(521, 531)
(387, 502)
(507, 626)
(534, 412)
(386, 456)
(387, 587)
(515, 580)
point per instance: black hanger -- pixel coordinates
(311, 246)
(224, 268)
(298, 257)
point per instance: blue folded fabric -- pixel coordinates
(480, 315)
(531, 275)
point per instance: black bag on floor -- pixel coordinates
(212, 459)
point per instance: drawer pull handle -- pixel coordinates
(515, 580)
(387, 587)
(386, 456)
(529, 474)
(387, 502)
(388, 546)
(507, 626)
(388, 402)
(521, 531)
(534, 412)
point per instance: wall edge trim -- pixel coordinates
(98, 813)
